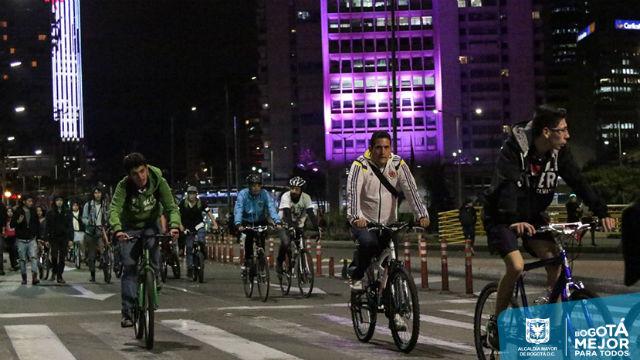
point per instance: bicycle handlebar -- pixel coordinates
(395, 227)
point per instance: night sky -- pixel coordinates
(144, 61)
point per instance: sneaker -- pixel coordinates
(399, 323)
(126, 322)
(493, 338)
(356, 285)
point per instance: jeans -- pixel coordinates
(199, 237)
(368, 246)
(130, 254)
(28, 248)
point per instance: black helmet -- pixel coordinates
(297, 181)
(254, 179)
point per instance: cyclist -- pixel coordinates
(255, 207)
(376, 180)
(524, 182)
(94, 214)
(137, 204)
(295, 208)
(191, 211)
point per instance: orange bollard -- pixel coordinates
(318, 259)
(407, 256)
(231, 252)
(225, 252)
(467, 267)
(424, 271)
(332, 270)
(445, 265)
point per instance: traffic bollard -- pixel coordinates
(332, 270)
(445, 265)
(345, 265)
(318, 259)
(407, 256)
(467, 267)
(271, 259)
(424, 271)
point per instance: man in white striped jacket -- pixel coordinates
(369, 200)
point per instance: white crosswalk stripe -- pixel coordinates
(35, 342)
(123, 341)
(421, 339)
(442, 321)
(238, 346)
(348, 347)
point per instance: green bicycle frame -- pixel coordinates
(146, 268)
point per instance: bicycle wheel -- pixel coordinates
(138, 312)
(149, 309)
(200, 269)
(107, 264)
(285, 277)
(632, 325)
(77, 260)
(262, 275)
(304, 272)
(364, 315)
(248, 279)
(41, 267)
(47, 268)
(196, 266)
(117, 264)
(176, 267)
(404, 307)
(164, 268)
(586, 315)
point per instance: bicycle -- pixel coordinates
(107, 256)
(297, 259)
(398, 301)
(77, 254)
(168, 258)
(147, 294)
(44, 261)
(257, 271)
(198, 252)
(565, 289)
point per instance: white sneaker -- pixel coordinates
(356, 285)
(399, 323)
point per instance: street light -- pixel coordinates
(38, 152)
(478, 111)
(15, 64)
(193, 108)
(19, 109)
(11, 138)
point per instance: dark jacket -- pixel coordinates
(467, 216)
(25, 230)
(59, 228)
(516, 195)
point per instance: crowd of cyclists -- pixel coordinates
(525, 179)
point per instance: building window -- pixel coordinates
(462, 3)
(535, 15)
(3, 24)
(42, 37)
(476, 3)
(361, 144)
(12, 50)
(5, 37)
(463, 59)
(34, 64)
(303, 15)
(372, 123)
(337, 144)
(336, 124)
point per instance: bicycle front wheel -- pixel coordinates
(404, 310)
(200, 269)
(77, 259)
(248, 280)
(590, 314)
(485, 307)
(304, 272)
(107, 264)
(285, 277)
(364, 315)
(149, 310)
(262, 275)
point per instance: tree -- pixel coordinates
(616, 184)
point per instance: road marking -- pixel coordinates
(315, 290)
(235, 345)
(446, 322)
(181, 289)
(124, 342)
(37, 342)
(434, 279)
(88, 294)
(421, 339)
(461, 301)
(462, 312)
(348, 347)
(78, 313)
(280, 307)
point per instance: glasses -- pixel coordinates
(563, 130)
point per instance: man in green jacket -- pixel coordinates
(139, 200)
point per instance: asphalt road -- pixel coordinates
(80, 320)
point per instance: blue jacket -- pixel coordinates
(252, 209)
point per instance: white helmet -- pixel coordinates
(297, 181)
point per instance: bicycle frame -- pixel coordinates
(144, 269)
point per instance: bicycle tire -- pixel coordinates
(363, 317)
(77, 260)
(304, 272)
(149, 309)
(107, 264)
(483, 350)
(285, 277)
(196, 265)
(600, 318)
(47, 268)
(248, 281)
(176, 267)
(262, 275)
(200, 268)
(41, 267)
(138, 313)
(403, 288)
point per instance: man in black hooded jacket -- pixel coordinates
(524, 183)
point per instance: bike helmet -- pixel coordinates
(254, 179)
(297, 181)
(192, 189)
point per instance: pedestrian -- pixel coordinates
(77, 227)
(27, 228)
(574, 209)
(468, 218)
(58, 234)
(94, 215)
(9, 234)
(3, 220)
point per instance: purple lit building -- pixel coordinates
(357, 53)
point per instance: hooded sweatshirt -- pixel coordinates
(524, 184)
(132, 209)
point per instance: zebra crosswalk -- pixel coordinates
(244, 335)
